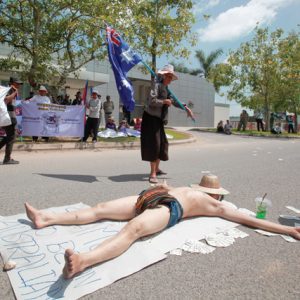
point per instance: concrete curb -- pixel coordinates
(274, 136)
(89, 146)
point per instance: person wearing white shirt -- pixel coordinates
(92, 123)
(41, 98)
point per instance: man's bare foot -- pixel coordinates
(73, 264)
(38, 217)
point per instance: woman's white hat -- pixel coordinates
(210, 184)
(168, 69)
(42, 88)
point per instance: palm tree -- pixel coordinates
(180, 67)
(206, 62)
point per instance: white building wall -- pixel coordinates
(221, 113)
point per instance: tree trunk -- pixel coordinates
(37, 25)
(267, 113)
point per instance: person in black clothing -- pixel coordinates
(66, 100)
(290, 122)
(9, 139)
(220, 127)
(126, 114)
(78, 99)
(154, 142)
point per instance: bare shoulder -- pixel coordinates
(187, 193)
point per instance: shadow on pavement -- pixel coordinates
(129, 177)
(81, 178)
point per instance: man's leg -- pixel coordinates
(257, 124)
(87, 129)
(10, 139)
(120, 209)
(3, 141)
(262, 125)
(95, 128)
(149, 222)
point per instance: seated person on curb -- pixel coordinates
(111, 124)
(227, 127)
(123, 126)
(220, 127)
(171, 205)
(276, 129)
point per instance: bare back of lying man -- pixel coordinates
(171, 205)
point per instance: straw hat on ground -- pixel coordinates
(210, 184)
(168, 69)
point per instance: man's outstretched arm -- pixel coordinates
(242, 218)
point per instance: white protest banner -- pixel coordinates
(39, 253)
(39, 257)
(4, 116)
(39, 119)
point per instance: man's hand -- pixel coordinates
(11, 97)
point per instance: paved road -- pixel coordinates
(256, 267)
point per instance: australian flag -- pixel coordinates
(122, 59)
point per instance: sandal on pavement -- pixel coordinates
(160, 172)
(153, 180)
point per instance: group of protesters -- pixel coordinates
(275, 121)
(94, 107)
(93, 104)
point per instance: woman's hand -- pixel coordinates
(167, 102)
(189, 113)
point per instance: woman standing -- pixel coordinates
(154, 143)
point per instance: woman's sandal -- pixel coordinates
(160, 172)
(153, 180)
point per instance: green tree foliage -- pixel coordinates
(217, 74)
(255, 71)
(287, 92)
(159, 27)
(51, 38)
(180, 67)
(207, 62)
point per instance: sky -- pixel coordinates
(232, 22)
